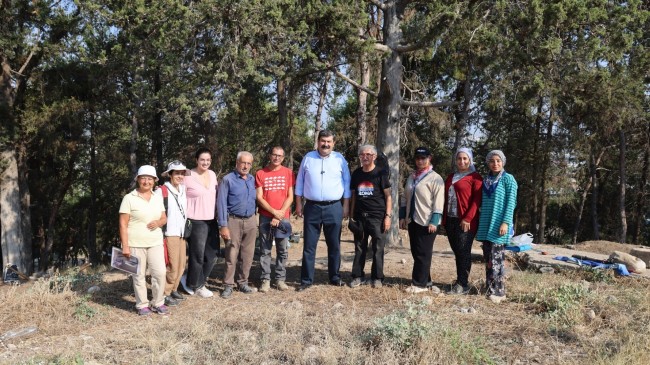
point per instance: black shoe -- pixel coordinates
(227, 292)
(247, 289)
(171, 302)
(303, 287)
(338, 282)
(176, 295)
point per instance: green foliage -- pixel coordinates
(403, 328)
(595, 275)
(84, 312)
(73, 279)
(561, 304)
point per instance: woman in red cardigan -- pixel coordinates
(461, 213)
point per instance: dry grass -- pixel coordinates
(546, 320)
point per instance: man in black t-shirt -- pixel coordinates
(371, 210)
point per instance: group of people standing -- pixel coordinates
(325, 194)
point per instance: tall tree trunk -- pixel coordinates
(594, 203)
(63, 187)
(318, 123)
(362, 101)
(91, 238)
(534, 215)
(157, 133)
(640, 202)
(11, 234)
(133, 148)
(622, 182)
(462, 95)
(283, 120)
(25, 206)
(585, 193)
(389, 99)
(546, 162)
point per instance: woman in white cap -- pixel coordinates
(175, 198)
(497, 209)
(142, 215)
(421, 215)
(460, 218)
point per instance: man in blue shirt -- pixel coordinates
(236, 210)
(323, 179)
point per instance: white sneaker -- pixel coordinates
(415, 289)
(184, 284)
(203, 292)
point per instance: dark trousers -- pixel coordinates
(203, 248)
(372, 227)
(495, 270)
(421, 250)
(328, 217)
(461, 244)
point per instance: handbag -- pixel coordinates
(188, 229)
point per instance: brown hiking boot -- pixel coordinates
(282, 286)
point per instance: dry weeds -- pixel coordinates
(548, 319)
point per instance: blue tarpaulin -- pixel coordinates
(619, 268)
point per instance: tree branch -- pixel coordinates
(382, 47)
(354, 83)
(428, 104)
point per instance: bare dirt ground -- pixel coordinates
(322, 325)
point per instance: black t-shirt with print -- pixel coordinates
(368, 188)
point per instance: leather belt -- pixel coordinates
(325, 202)
(238, 216)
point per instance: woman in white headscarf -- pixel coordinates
(460, 217)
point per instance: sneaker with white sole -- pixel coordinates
(497, 298)
(282, 286)
(356, 282)
(266, 286)
(415, 289)
(184, 285)
(203, 292)
(162, 310)
(377, 283)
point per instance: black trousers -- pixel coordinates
(372, 227)
(461, 245)
(421, 250)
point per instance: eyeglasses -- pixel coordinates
(366, 154)
(276, 156)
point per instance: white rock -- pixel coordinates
(403, 261)
(93, 289)
(337, 306)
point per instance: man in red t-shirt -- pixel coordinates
(274, 186)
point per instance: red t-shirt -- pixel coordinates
(275, 186)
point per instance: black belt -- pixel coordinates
(325, 202)
(238, 216)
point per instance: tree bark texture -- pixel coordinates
(389, 108)
(621, 192)
(322, 98)
(640, 202)
(583, 197)
(13, 245)
(362, 99)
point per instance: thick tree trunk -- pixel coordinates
(388, 136)
(25, 206)
(283, 120)
(11, 233)
(462, 95)
(133, 148)
(622, 238)
(535, 191)
(546, 161)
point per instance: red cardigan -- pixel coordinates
(468, 193)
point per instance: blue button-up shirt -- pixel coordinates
(236, 196)
(323, 179)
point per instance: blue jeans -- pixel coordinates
(329, 217)
(266, 243)
(203, 248)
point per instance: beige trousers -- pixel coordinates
(176, 252)
(153, 259)
(240, 250)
